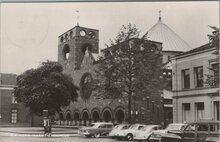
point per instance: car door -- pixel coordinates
(188, 134)
(101, 129)
(138, 130)
(202, 132)
(109, 127)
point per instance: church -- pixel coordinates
(78, 51)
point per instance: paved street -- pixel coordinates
(76, 138)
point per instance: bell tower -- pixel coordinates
(73, 44)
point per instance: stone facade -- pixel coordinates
(193, 101)
(76, 52)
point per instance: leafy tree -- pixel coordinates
(131, 67)
(45, 87)
(213, 78)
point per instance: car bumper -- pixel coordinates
(140, 138)
(83, 133)
(155, 139)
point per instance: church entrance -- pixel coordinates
(107, 116)
(85, 118)
(95, 116)
(68, 118)
(76, 118)
(119, 116)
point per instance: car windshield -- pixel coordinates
(94, 125)
(116, 127)
(121, 127)
(133, 127)
(125, 127)
(174, 127)
(146, 128)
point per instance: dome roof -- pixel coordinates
(171, 41)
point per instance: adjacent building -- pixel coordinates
(11, 113)
(193, 98)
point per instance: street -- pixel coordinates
(76, 138)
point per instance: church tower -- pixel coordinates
(73, 44)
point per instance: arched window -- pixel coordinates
(66, 52)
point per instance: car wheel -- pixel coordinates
(88, 136)
(129, 137)
(97, 135)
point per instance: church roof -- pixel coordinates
(171, 41)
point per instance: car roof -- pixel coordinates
(153, 125)
(205, 122)
(177, 124)
(122, 124)
(102, 123)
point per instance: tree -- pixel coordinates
(45, 87)
(213, 78)
(130, 68)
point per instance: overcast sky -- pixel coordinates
(29, 31)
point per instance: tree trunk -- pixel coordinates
(129, 108)
(32, 119)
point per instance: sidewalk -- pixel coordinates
(38, 131)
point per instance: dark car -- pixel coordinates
(193, 132)
(96, 129)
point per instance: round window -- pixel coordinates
(92, 34)
(86, 86)
(82, 33)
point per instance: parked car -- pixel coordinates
(129, 133)
(145, 132)
(156, 135)
(96, 129)
(194, 132)
(117, 129)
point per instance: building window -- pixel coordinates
(158, 114)
(198, 76)
(14, 115)
(152, 106)
(186, 112)
(199, 111)
(168, 57)
(216, 110)
(148, 103)
(13, 100)
(185, 78)
(215, 74)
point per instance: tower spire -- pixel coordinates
(77, 17)
(160, 15)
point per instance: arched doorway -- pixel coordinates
(107, 116)
(68, 118)
(119, 116)
(61, 118)
(85, 118)
(95, 116)
(76, 118)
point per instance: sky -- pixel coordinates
(29, 31)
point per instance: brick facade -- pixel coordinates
(76, 62)
(11, 112)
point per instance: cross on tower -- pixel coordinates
(159, 15)
(77, 18)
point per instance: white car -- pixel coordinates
(145, 132)
(156, 135)
(117, 129)
(129, 133)
(96, 129)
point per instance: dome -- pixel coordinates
(171, 41)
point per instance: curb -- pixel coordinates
(11, 134)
